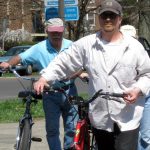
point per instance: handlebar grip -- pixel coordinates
(117, 95)
(24, 94)
(85, 79)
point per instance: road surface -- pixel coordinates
(9, 87)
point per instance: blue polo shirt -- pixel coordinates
(43, 53)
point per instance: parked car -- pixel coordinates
(145, 43)
(22, 69)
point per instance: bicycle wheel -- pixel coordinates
(24, 136)
(93, 143)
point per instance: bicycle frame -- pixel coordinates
(24, 133)
(82, 137)
(82, 132)
(27, 116)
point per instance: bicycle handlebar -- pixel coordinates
(77, 100)
(26, 92)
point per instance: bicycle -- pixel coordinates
(28, 96)
(84, 138)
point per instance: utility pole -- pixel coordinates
(61, 9)
(4, 32)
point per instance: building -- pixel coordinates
(28, 15)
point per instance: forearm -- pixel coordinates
(77, 74)
(14, 60)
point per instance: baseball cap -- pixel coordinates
(54, 25)
(110, 5)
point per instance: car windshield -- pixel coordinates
(14, 51)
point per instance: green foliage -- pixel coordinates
(27, 43)
(9, 44)
(2, 52)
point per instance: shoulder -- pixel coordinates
(37, 46)
(87, 40)
(67, 40)
(33, 49)
(66, 43)
(132, 41)
(134, 45)
(42, 43)
(90, 37)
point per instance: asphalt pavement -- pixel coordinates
(9, 87)
(8, 133)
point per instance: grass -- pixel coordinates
(8, 75)
(12, 75)
(12, 109)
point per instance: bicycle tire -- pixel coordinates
(93, 144)
(24, 142)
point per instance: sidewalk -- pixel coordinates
(8, 135)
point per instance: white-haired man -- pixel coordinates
(54, 103)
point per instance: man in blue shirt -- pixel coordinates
(54, 104)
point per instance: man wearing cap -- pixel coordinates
(54, 104)
(115, 63)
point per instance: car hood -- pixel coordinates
(5, 58)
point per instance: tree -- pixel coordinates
(144, 19)
(137, 13)
(76, 29)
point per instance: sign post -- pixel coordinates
(61, 9)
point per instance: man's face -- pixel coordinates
(55, 37)
(109, 21)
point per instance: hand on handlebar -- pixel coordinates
(40, 84)
(84, 77)
(4, 65)
(132, 95)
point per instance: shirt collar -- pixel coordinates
(50, 47)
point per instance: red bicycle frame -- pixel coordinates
(82, 137)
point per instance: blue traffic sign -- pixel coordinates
(55, 2)
(71, 13)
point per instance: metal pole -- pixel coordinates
(4, 32)
(61, 9)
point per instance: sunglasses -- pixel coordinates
(109, 15)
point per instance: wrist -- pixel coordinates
(10, 66)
